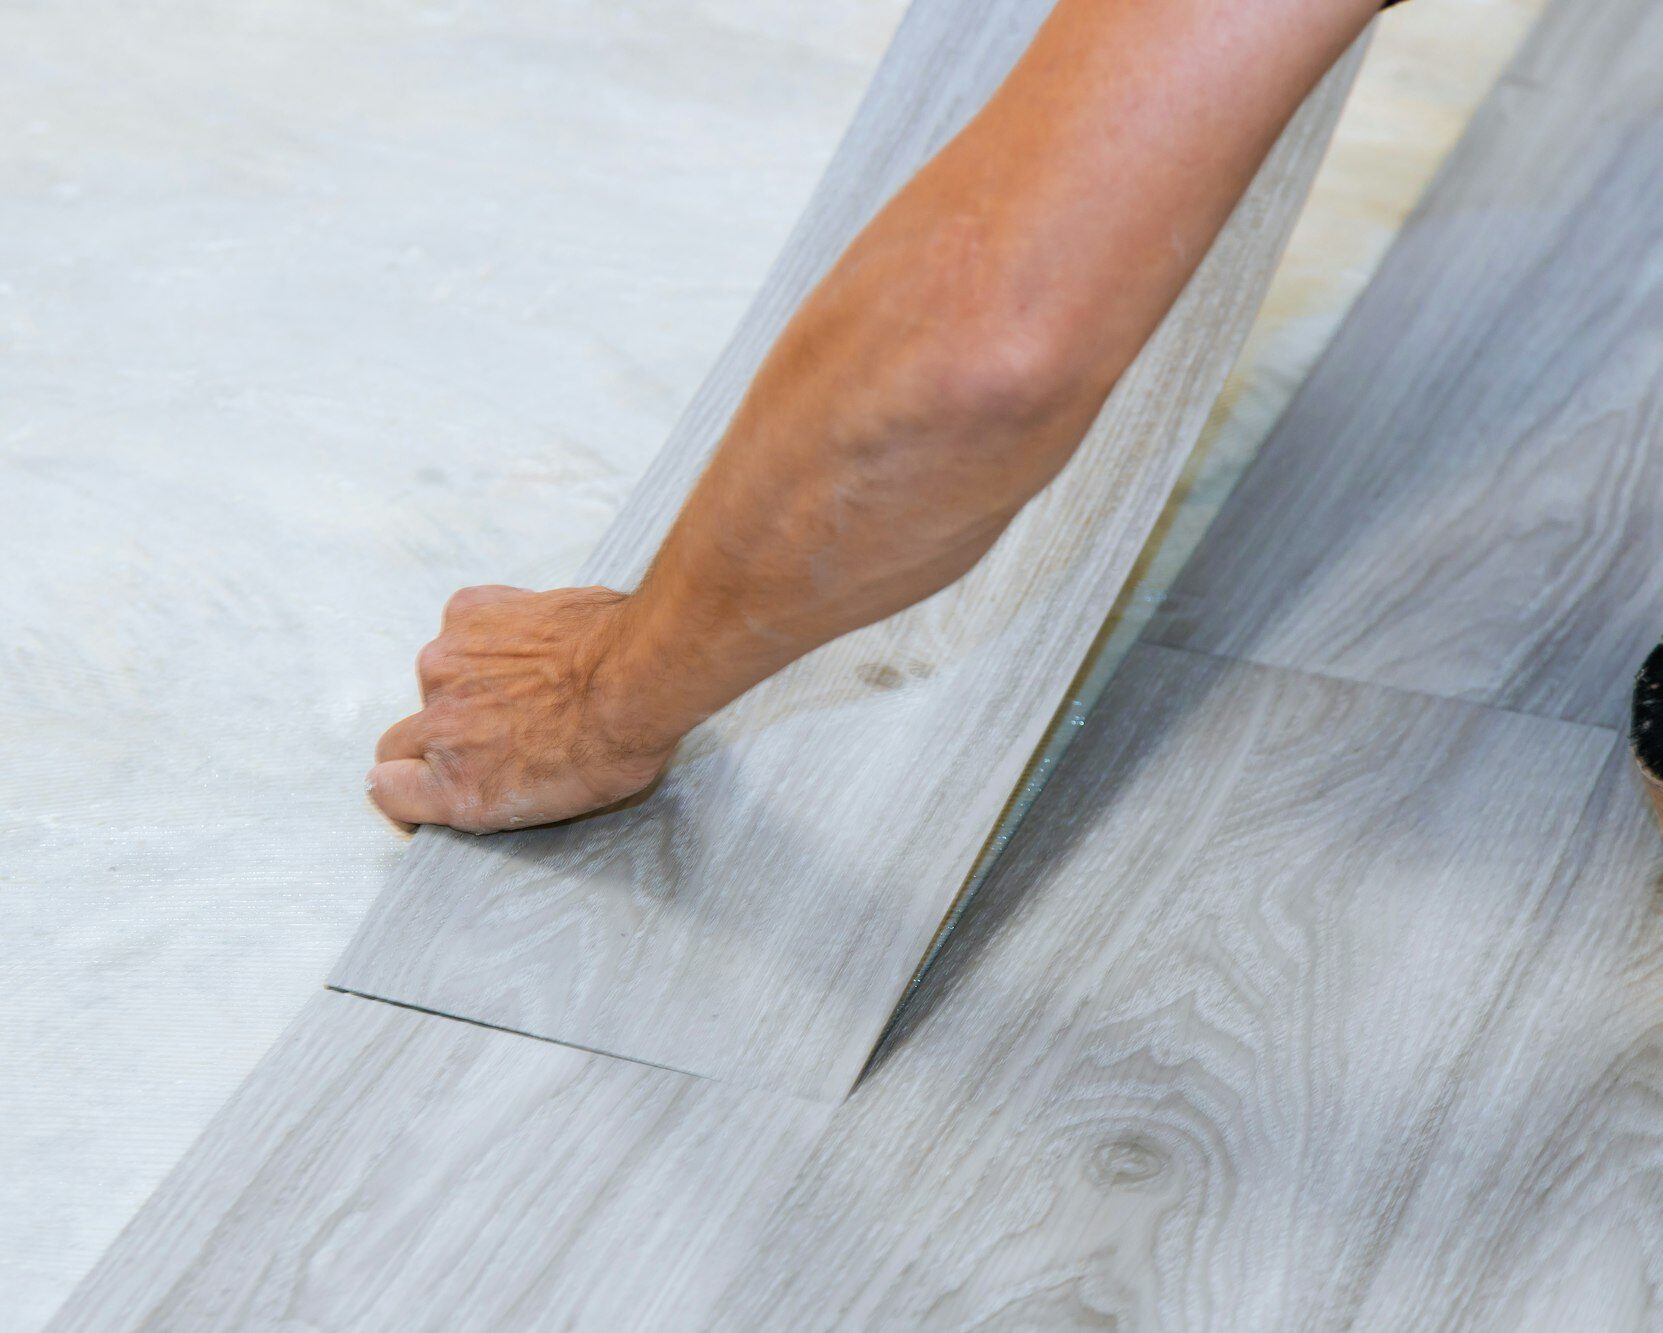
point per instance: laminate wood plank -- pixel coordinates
(1188, 1057)
(758, 915)
(1184, 1063)
(386, 1169)
(1466, 497)
(1607, 50)
(1542, 1205)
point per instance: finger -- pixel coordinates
(432, 661)
(405, 739)
(486, 593)
(408, 791)
(566, 797)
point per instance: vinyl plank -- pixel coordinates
(1184, 1063)
(1608, 51)
(1543, 1202)
(1465, 497)
(386, 1169)
(1188, 1058)
(757, 917)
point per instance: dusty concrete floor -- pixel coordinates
(310, 315)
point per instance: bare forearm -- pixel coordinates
(950, 363)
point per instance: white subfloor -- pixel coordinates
(309, 315)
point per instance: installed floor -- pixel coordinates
(1480, 514)
(1294, 1004)
(309, 318)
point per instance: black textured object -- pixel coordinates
(1645, 733)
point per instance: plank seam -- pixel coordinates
(514, 1032)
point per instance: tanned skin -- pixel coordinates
(938, 377)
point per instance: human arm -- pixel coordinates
(938, 377)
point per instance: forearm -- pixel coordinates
(951, 361)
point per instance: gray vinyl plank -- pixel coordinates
(1466, 497)
(757, 917)
(1542, 1202)
(1608, 50)
(387, 1169)
(1206, 1051)
(1187, 1060)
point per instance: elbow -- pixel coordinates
(959, 339)
(1016, 371)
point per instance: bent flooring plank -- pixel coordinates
(386, 1169)
(759, 914)
(1243, 974)
(1466, 497)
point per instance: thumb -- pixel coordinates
(408, 791)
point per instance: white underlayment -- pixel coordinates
(310, 314)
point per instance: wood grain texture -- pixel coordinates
(760, 913)
(1276, 1015)
(1543, 1199)
(385, 1169)
(1605, 50)
(1466, 497)
(1189, 1056)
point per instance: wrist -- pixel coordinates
(634, 693)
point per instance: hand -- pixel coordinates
(523, 715)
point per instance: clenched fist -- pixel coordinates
(524, 719)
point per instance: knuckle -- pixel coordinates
(462, 599)
(434, 660)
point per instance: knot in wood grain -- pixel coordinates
(1125, 1163)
